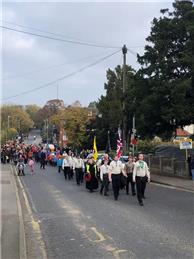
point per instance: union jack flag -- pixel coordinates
(119, 146)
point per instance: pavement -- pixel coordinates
(176, 182)
(12, 228)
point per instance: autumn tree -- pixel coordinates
(74, 121)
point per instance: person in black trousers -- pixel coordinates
(116, 169)
(42, 159)
(129, 171)
(141, 175)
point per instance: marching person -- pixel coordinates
(129, 171)
(42, 159)
(71, 165)
(59, 163)
(141, 175)
(104, 171)
(115, 171)
(79, 169)
(66, 166)
(91, 175)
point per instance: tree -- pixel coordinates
(19, 121)
(32, 110)
(167, 72)
(74, 121)
(110, 106)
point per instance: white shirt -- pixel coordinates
(71, 162)
(104, 169)
(141, 169)
(116, 167)
(79, 163)
(65, 162)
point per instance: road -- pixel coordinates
(30, 140)
(72, 223)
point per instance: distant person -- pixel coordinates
(79, 169)
(20, 166)
(31, 165)
(141, 175)
(42, 159)
(192, 167)
(91, 175)
(104, 171)
(129, 171)
(189, 165)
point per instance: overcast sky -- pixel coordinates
(30, 61)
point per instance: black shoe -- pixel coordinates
(127, 193)
(106, 194)
(134, 194)
(116, 198)
(141, 203)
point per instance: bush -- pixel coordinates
(146, 146)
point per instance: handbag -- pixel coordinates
(88, 177)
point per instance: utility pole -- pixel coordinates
(133, 134)
(124, 49)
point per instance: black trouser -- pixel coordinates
(116, 185)
(130, 180)
(104, 184)
(21, 171)
(78, 172)
(42, 164)
(66, 171)
(59, 168)
(140, 185)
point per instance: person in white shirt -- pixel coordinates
(141, 175)
(79, 169)
(66, 166)
(71, 164)
(115, 171)
(104, 171)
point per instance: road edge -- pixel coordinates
(22, 240)
(171, 185)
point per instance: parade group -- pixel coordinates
(84, 167)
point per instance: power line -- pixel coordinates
(58, 39)
(45, 69)
(52, 33)
(61, 35)
(63, 77)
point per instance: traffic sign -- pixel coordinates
(186, 144)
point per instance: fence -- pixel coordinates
(167, 166)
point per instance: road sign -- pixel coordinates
(186, 144)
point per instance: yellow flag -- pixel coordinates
(95, 155)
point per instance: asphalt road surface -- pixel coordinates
(31, 140)
(77, 224)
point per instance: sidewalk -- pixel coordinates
(181, 183)
(12, 230)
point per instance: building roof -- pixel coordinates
(182, 133)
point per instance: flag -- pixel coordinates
(133, 140)
(95, 155)
(119, 146)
